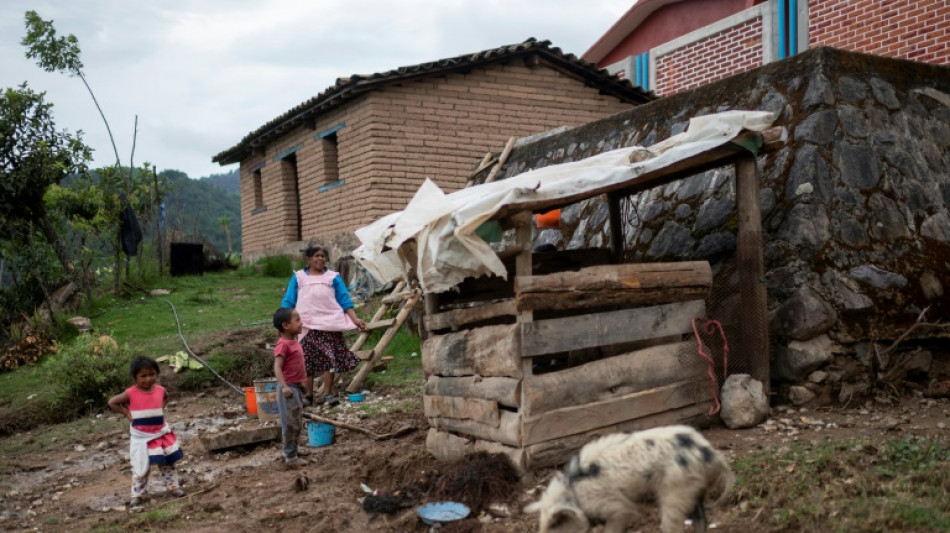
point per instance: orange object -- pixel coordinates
(250, 400)
(549, 219)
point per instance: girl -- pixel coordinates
(151, 441)
(325, 307)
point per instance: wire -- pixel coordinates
(191, 354)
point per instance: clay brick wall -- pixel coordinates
(723, 54)
(395, 137)
(905, 29)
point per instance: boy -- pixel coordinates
(291, 374)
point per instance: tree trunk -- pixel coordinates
(50, 233)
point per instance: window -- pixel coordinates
(643, 71)
(258, 188)
(787, 28)
(331, 161)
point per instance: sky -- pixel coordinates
(202, 74)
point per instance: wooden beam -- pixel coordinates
(483, 411)
(508, 430)
(380, 324)
(605, 329)
(397, 297)
(447, 447)
(504, 391)
(629, 276)
(387, 337)
(615, 223)
(460, 317)
(753, 299)
(383, 308)
(585, 300)
(487, 351)
(607, 378)
(501, 160)
(573, 420)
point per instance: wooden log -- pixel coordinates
(601, 380)
(486, 351)
(578, 419)
(501, 160)
(447, 447)
(380, 324)
(459, 317)
(383, 308)
(377, 436)
(397, 297)
(558, 451)
(508, 430)
(615, 223)
(753, 311)
(603, 329)
(387, 337)
(623, 277)
(232, 439)
(505, 391)
(483, 411)
(562, 301)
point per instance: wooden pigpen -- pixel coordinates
(576, 343)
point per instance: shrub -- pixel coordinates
(276, 267)
(87, 372)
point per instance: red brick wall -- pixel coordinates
(397, 136)
(723, 54)
(918, 30)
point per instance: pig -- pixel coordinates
(671, 466)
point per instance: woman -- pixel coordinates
(326, 310)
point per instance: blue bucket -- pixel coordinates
(320, 434)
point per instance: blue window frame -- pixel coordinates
(642, 77)
(787, 28)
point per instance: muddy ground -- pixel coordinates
(83, 483)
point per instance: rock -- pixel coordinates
(936, 227)
(82, 323)
(744, 403)
(817, 128)
(818, 376)
(799, 395)
(159, 292)
(801, 358)
(878, 277)
(850, 390)
(858, 165)
(918, 366)
(803, 316)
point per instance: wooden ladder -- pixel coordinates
(369, 357)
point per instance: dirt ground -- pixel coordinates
(83, 484)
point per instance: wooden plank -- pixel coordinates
(460, 317)
(615, 223)
(572, 420)
(578, 300)
(387, 337)
(383, 308)
(508, 430)
(524, 267)
(603, 329)
(397, 297)
(601, 380)
(232, 439)
(505, 391)
(753, 306)
(486, 351)
(501, 160)
(558, 451)
(484, 411)
(629, 276)
(380, 324)
(447, 447)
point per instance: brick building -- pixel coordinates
(360, 149)
(670, 46)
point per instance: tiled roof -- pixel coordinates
(346, 89)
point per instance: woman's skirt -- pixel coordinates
(326, 350)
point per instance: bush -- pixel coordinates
(276, 267)
(87, 372)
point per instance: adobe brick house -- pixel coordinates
(671, 46)
(360, 149)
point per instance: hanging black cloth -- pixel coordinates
(131, 233)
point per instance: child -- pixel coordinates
(290, 370)
(151, 441)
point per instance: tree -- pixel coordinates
(224, 221)
(33, 156)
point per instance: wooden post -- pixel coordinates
(364, 370)
(501, 160)
(753, 304)
(616, 228)
(523, 268)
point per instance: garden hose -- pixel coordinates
(192, 355)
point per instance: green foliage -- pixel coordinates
(278, 266)
(33, 263)
(87, 372)
(52, 54)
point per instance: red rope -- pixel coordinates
(709, 327)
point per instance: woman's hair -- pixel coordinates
(314, 249)
(282, 316)
(142, 362)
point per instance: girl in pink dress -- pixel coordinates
(326, 310)
(151, 440)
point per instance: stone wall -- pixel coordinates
(855, 206)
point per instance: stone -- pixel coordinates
(694, 186)
(884, 93)
(852, 90)
(715, 213)
(810, 167)
(819, 92)
(82, 323)
(766, 201)
(571, 214)
(930, 286)
(850, 390)
(579, 239)
(716, 243)
(549, 236)
(936, 227)
(798, 359)
(744, 403)
(887, 225)
(799, 395)
(878, 277)
(918, 365)
(852, 233)
(858, 165)
(852, 121)
(673, 241)
(598, 214)
(849, 298)
(817, 128)
(818, 377)
(806, 226)
(803, 316)
(682, 211)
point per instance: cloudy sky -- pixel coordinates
(201, 74)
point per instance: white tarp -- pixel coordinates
(434, 238)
